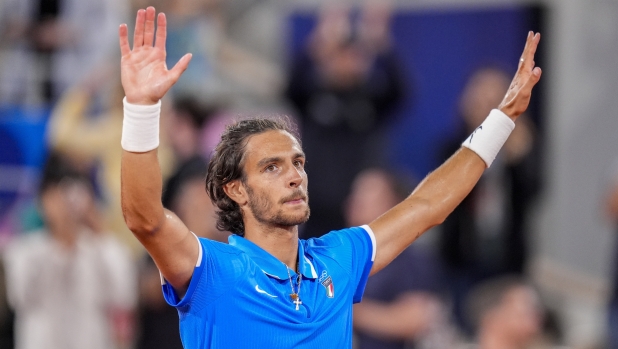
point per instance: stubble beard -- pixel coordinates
(261, 209)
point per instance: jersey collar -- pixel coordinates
(269, 264)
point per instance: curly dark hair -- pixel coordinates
(226, 165)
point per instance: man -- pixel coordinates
(71, 284)
(611, 209)
(267, 288)
(507, 314)
(486, 235)
(401, 307)
(345, 85)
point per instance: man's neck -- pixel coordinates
(281, 242)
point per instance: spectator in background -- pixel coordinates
(401, 304)
(611, 209)
(184, 192)
(220, 68)
(345, 86)
(486, 234)
(7, 316)
(184, 129)
(507, 314)
(71, 285)
(185, 195)
(48, 45)
(86, 124)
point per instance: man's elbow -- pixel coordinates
(142, 225)
(434, 213)
(439, 218)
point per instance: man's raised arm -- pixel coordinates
(442, 190)
(145, 79)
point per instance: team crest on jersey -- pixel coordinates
(327, 281)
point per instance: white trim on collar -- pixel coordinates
(313, 273)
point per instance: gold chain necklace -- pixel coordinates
(295, 294)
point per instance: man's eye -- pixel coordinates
(298, 163)
(271, 168)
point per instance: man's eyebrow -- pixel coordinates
(269, 160)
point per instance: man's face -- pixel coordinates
(276, 181)
(521, 315)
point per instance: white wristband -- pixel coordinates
(140, 127)
(488, 138)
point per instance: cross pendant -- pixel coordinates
(298, 302)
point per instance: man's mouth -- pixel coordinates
(295, 199)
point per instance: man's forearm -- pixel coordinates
(445, 188)
(141, 182)
(429, 205)
(141, 192)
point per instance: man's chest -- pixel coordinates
(324, 296)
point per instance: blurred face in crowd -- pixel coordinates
(519, 315)
(483, 92)
(346, 66)
(275, 180)
(183, 136)
(196, 210)
(372, 195)
(63, 206)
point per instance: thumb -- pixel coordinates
(533, 79)
(180, 67)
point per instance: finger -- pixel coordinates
(180, 67)
(532, 80)
(534, 43)
(123, 34)
(522, 59)
(161, 31)
(149, 26)
(138, 34)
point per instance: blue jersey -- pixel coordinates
(239, 294)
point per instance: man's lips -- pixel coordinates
(297, 199)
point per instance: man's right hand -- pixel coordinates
(144, 74)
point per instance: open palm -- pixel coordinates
(144, 74)
(518, 95)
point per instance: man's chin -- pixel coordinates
(292, 220)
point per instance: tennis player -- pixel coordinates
(267, 288)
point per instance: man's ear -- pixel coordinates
(236, 191)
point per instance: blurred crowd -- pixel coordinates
(72, 274)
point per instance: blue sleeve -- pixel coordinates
(216, 270)
(354, 249)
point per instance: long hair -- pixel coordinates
(226, 165)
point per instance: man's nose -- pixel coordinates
(296, 178)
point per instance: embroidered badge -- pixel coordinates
(329, 286)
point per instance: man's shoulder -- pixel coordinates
(218, 247)
(338, 241)
(332, 238)
(221, 253)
